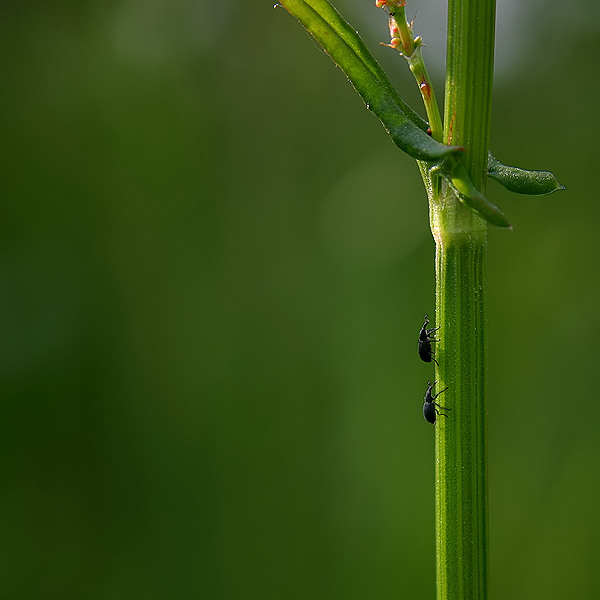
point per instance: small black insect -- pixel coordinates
(430, 407)
(425, 341)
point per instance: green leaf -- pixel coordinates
(348, 51)
(453, 171)
(520, 181)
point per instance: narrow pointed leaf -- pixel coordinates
(521, 181)
(346, 48)
(469, 195)
(353, 39)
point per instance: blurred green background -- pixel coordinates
(213, 266)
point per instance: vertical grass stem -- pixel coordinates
(460, 235)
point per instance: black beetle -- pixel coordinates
(425, 341)
(430, 407)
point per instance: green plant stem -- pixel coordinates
(460, 443)
(403, 40)
(417, 66)
(460, 235)
(469, 74)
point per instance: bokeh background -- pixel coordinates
(213, 266)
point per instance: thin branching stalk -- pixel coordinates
(409, 45)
